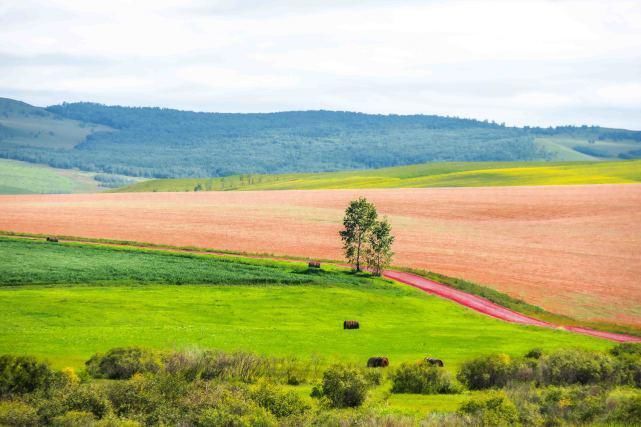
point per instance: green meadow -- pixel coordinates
(63, 302)
(27, 178)
(475, 174)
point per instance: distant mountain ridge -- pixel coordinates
(166, 143)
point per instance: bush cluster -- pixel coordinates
(565, 387)
(422, 378)
(492, 410)
(486, 372)
(23, 374)
(562, 367)
(343, 387)
(122, 363)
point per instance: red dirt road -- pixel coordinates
(489, 308)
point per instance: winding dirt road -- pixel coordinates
(489, 308)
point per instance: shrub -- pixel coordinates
(280, 403)
(626, 411)
(88, 398)
(576, 405)
(364, 418)
(116, 422)
(628, 348)
(122, 363)
(630, 372)
(574, 366)
(227, 417)
(495, 409)
(421, 378)
(373, 377)
(16, 413)
(69, 376)
(629, 363)
(486, 372)
(535, 353)
(523, 370)
(74, 419)
(22, 374)
(208, 365)
(291, 370)
(343, 387)
(230, 406)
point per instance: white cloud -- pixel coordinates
(523, 62)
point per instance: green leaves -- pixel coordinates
(366, 238)
(378, 253)
(359, 219)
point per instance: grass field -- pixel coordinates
(66, 301)
(417, 176)
(26, 178)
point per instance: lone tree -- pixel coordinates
(360, 217)
(365, 238)
(378, 252)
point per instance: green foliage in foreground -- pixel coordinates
(196, 387)
(67, 301)
(416, 176)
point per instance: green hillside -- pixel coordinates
(22, 125)
(27, 178)
(416, 176)
(165, 143)
(67, 301)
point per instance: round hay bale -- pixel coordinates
(351, 324)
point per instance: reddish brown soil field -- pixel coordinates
(572, 250)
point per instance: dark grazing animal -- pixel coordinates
(313, 264)
(52, 239)
(377, 362)
(434, 362)
(351, 324)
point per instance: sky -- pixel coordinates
(541, 63)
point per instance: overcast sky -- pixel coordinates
(519, 62)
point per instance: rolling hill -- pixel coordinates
(415, 176)
(23, 125)
(26, 178)
(18, 177)
(166, 143)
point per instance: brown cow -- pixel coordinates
(314, 264)
(52, 239)
(351, 324)
(377, 362)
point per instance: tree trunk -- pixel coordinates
(358, 254)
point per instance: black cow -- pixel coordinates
(377, 362)
(434, 362)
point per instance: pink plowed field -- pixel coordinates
(574, 250)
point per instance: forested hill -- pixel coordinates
(155, 142)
